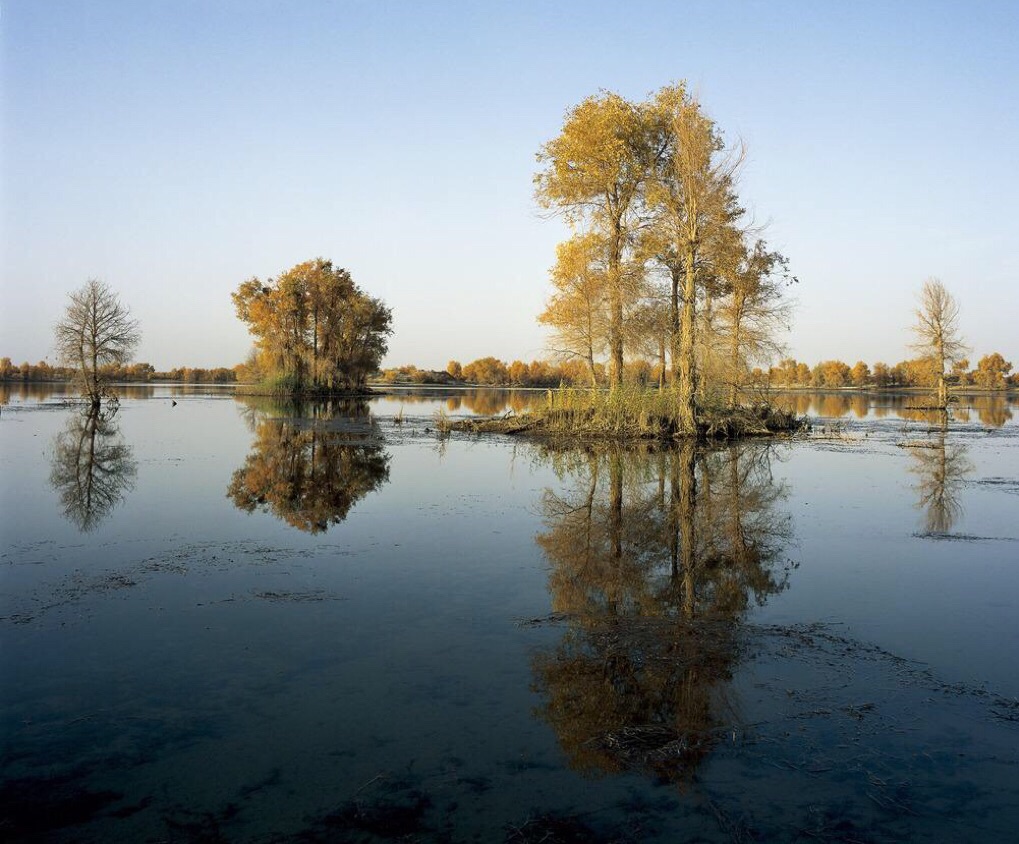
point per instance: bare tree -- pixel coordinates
(937, 332)
(96, 330)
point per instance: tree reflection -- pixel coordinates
(654, 559)
(941, 469)
(994, 411)
(92, 467)
(311, 465)
(488, 402)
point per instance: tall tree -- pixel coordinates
(693, 195)
(937, 332)
(594, 173)
(95, 331)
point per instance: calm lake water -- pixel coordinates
(228, 620)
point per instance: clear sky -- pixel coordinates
(174, 148)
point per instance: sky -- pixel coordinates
(174, 149)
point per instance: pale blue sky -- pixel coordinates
(174, 149)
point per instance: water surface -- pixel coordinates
(233, 620)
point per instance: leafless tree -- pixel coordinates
(937, 332)
(96, 330)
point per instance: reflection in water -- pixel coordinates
(992, 410)
(483, 401)
(25, 391)
(92, 467)
(941, 470)
(311, 466)
(653, 561)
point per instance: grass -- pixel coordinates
(633, 412)
(443, 424)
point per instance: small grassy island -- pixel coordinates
(317, 334)
(662, 262)
(632, 413)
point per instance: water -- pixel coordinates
(227, 620)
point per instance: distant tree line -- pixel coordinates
(992, 372)
(129, 373)
(492, 372)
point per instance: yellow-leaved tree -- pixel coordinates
(594, 173)
(315, 329)
(578, 310)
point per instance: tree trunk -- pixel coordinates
(616, 309)
(687, 410)
(94, 392)
(734, 361)
(677, 275)
(942, 386)
(661, 362)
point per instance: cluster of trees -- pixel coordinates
(990, 373)
(537, 373)
(41, 371)
(315, 329)
(410, 374)
(661, 263)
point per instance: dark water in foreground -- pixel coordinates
(227, 621)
